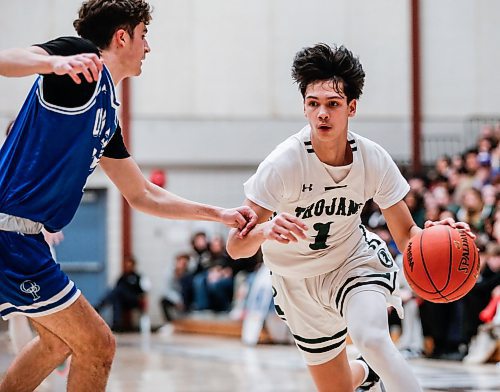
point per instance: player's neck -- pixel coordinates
(333, 153)
(113, 64)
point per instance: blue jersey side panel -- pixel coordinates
(50, 152)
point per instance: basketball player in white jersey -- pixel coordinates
(330, 275)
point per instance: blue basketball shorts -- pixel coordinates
(31, 282)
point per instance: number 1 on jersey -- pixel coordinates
(320, 238)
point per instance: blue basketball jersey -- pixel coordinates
(50, 152)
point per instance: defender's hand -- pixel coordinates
(88, 64)
(243, 218)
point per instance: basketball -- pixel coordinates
(441, 264)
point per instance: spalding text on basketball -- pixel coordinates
(409, 256)
(464, 260)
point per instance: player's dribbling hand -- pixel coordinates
(284, 228)
(88, 64)
(242, 218)
(451, 222)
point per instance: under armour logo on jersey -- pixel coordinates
(30, 287)
(308, 188)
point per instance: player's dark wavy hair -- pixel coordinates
(322, 62)
(98, 20)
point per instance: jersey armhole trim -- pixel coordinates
(80, 109)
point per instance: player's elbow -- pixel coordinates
(139, 200)
(236, 250)
(233, 250)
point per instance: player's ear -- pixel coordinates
(352, 107)
(120, 36)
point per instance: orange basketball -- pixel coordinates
(441, 264)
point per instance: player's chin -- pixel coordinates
(138, 70)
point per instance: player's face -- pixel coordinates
(327, 109)
(138, 47)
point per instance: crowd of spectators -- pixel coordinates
(204, 279)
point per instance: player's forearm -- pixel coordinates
(402, 242)
(239, 248)
(21, 62)
(159, 202)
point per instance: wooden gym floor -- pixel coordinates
(182, 362)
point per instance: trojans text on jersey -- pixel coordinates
(336, 206)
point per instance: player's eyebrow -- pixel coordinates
(328, 97)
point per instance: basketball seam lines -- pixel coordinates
(425, 267)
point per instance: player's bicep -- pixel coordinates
(37, 50)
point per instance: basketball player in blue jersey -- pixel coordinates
(67, 125)
(330, 275)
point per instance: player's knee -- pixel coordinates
(369, 340)
(106, 343)
(99, 344)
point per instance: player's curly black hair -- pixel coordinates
(322, 62)
(98, 20)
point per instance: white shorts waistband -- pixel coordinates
(20, 225)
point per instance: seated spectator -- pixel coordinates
(442, 197)
(172, 301)
(472, 210)
(443, 166)
(457, 163)
(200, 258)
(418, 184)
(213, 287)
(471, 161)
(244, 271)
(415, 203)
(128, 294)
(198, 263)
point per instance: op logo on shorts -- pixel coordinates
(30, 287)
(384, 258)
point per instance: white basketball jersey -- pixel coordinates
(292, 179)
